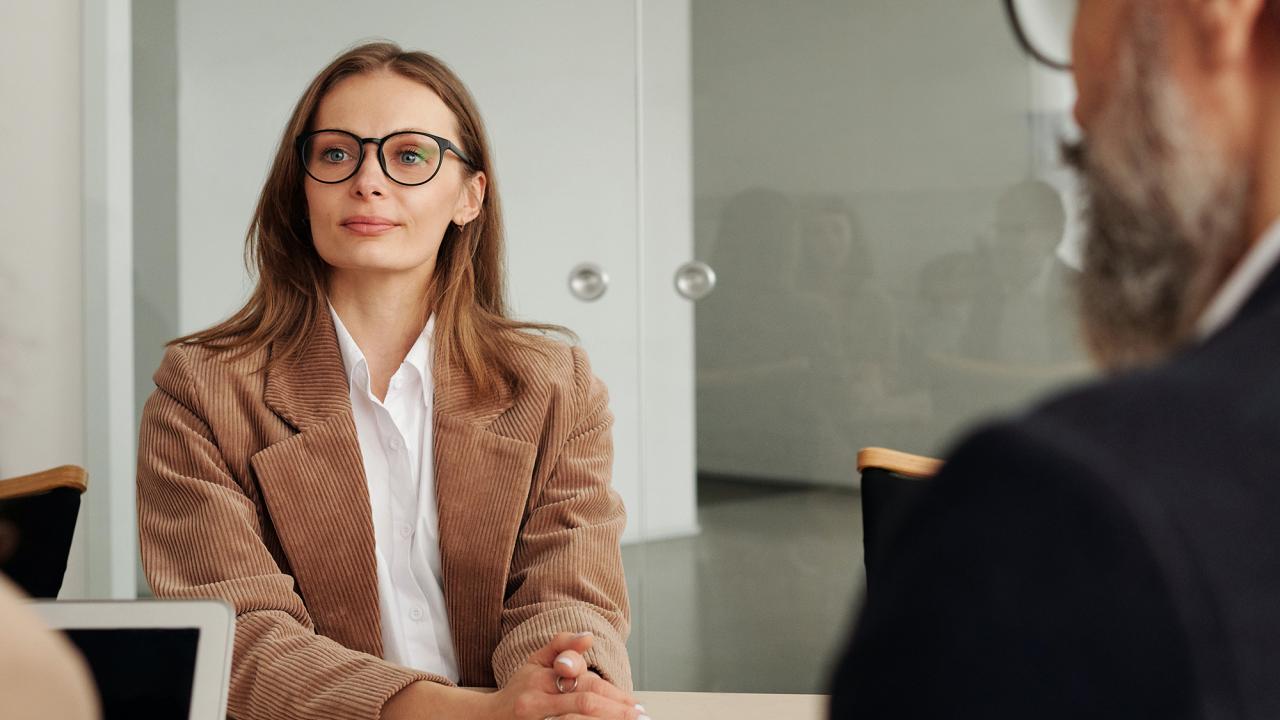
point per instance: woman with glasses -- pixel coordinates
(399, 487)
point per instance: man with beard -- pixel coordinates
(1116, 551)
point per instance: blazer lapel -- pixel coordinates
(482, 487)
(316, 494)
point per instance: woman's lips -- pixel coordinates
(368, 225)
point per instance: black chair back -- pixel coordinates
(37, 522)
(892, 482)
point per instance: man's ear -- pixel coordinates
(1224, 29)
(470, 199)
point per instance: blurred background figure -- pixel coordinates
(994, 323)
(1019, 306)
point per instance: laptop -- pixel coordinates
(163, 659)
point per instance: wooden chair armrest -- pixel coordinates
(68, 476)
(902, 463)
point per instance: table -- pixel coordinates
(732, 706)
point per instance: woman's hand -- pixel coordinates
(532, 694)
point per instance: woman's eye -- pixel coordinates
(411, 157)
(334, 155)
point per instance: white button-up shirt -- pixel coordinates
(395, 443)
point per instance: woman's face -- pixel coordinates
(369, 223)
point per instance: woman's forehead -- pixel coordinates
(374, 104)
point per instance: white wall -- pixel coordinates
(41, 326)
(107, 242)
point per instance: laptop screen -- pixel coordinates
(141, 672)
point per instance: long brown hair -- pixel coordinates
(467, 292)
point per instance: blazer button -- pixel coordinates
(415, 613)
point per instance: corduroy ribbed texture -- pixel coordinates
(251, 488)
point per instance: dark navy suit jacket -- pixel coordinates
(1113, 553)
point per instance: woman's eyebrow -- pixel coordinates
(393, 132)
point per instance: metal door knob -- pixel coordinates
(695, 280)
(588, 282)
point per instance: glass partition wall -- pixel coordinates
(877, 191)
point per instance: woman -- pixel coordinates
(398, 487)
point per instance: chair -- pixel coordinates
(891, 483)
(37, 520)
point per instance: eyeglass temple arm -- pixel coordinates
(1012, 14)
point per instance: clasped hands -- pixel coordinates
(553, 684)
(556, 683)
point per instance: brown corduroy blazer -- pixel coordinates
(251, 488)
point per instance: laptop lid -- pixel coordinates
(152, 658)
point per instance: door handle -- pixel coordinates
(588, 282)
(695, 280)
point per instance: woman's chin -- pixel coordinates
(377, 266)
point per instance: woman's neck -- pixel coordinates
(384, 314)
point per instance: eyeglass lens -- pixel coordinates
(1047, 26)
(408, 158)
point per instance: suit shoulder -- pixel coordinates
(1122, 437)
(188, 368)
(550, 365)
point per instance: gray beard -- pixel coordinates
(1165, 213)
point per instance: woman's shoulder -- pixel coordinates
(541, 358)
(189, 367)
(556, 388)
(549, 364)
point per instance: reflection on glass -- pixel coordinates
(994, 320)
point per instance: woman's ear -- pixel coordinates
(470, 199)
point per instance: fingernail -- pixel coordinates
(583, 634)
(643, 717)
(639, 707)
(565, 662)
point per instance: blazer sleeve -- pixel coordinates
(200, 535)
(1020, 586)
(566, 573)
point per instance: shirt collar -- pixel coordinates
(418, 357)
(1242, 282)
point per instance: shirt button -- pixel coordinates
(415, 613)
(395, 383)
(394, 443)
(405, 530)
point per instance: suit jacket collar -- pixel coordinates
(1246, 281)
(314, 389)
(1265, 298)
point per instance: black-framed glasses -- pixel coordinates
(1043, 29)
(407, 157)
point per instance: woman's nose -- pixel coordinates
(369, 178)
